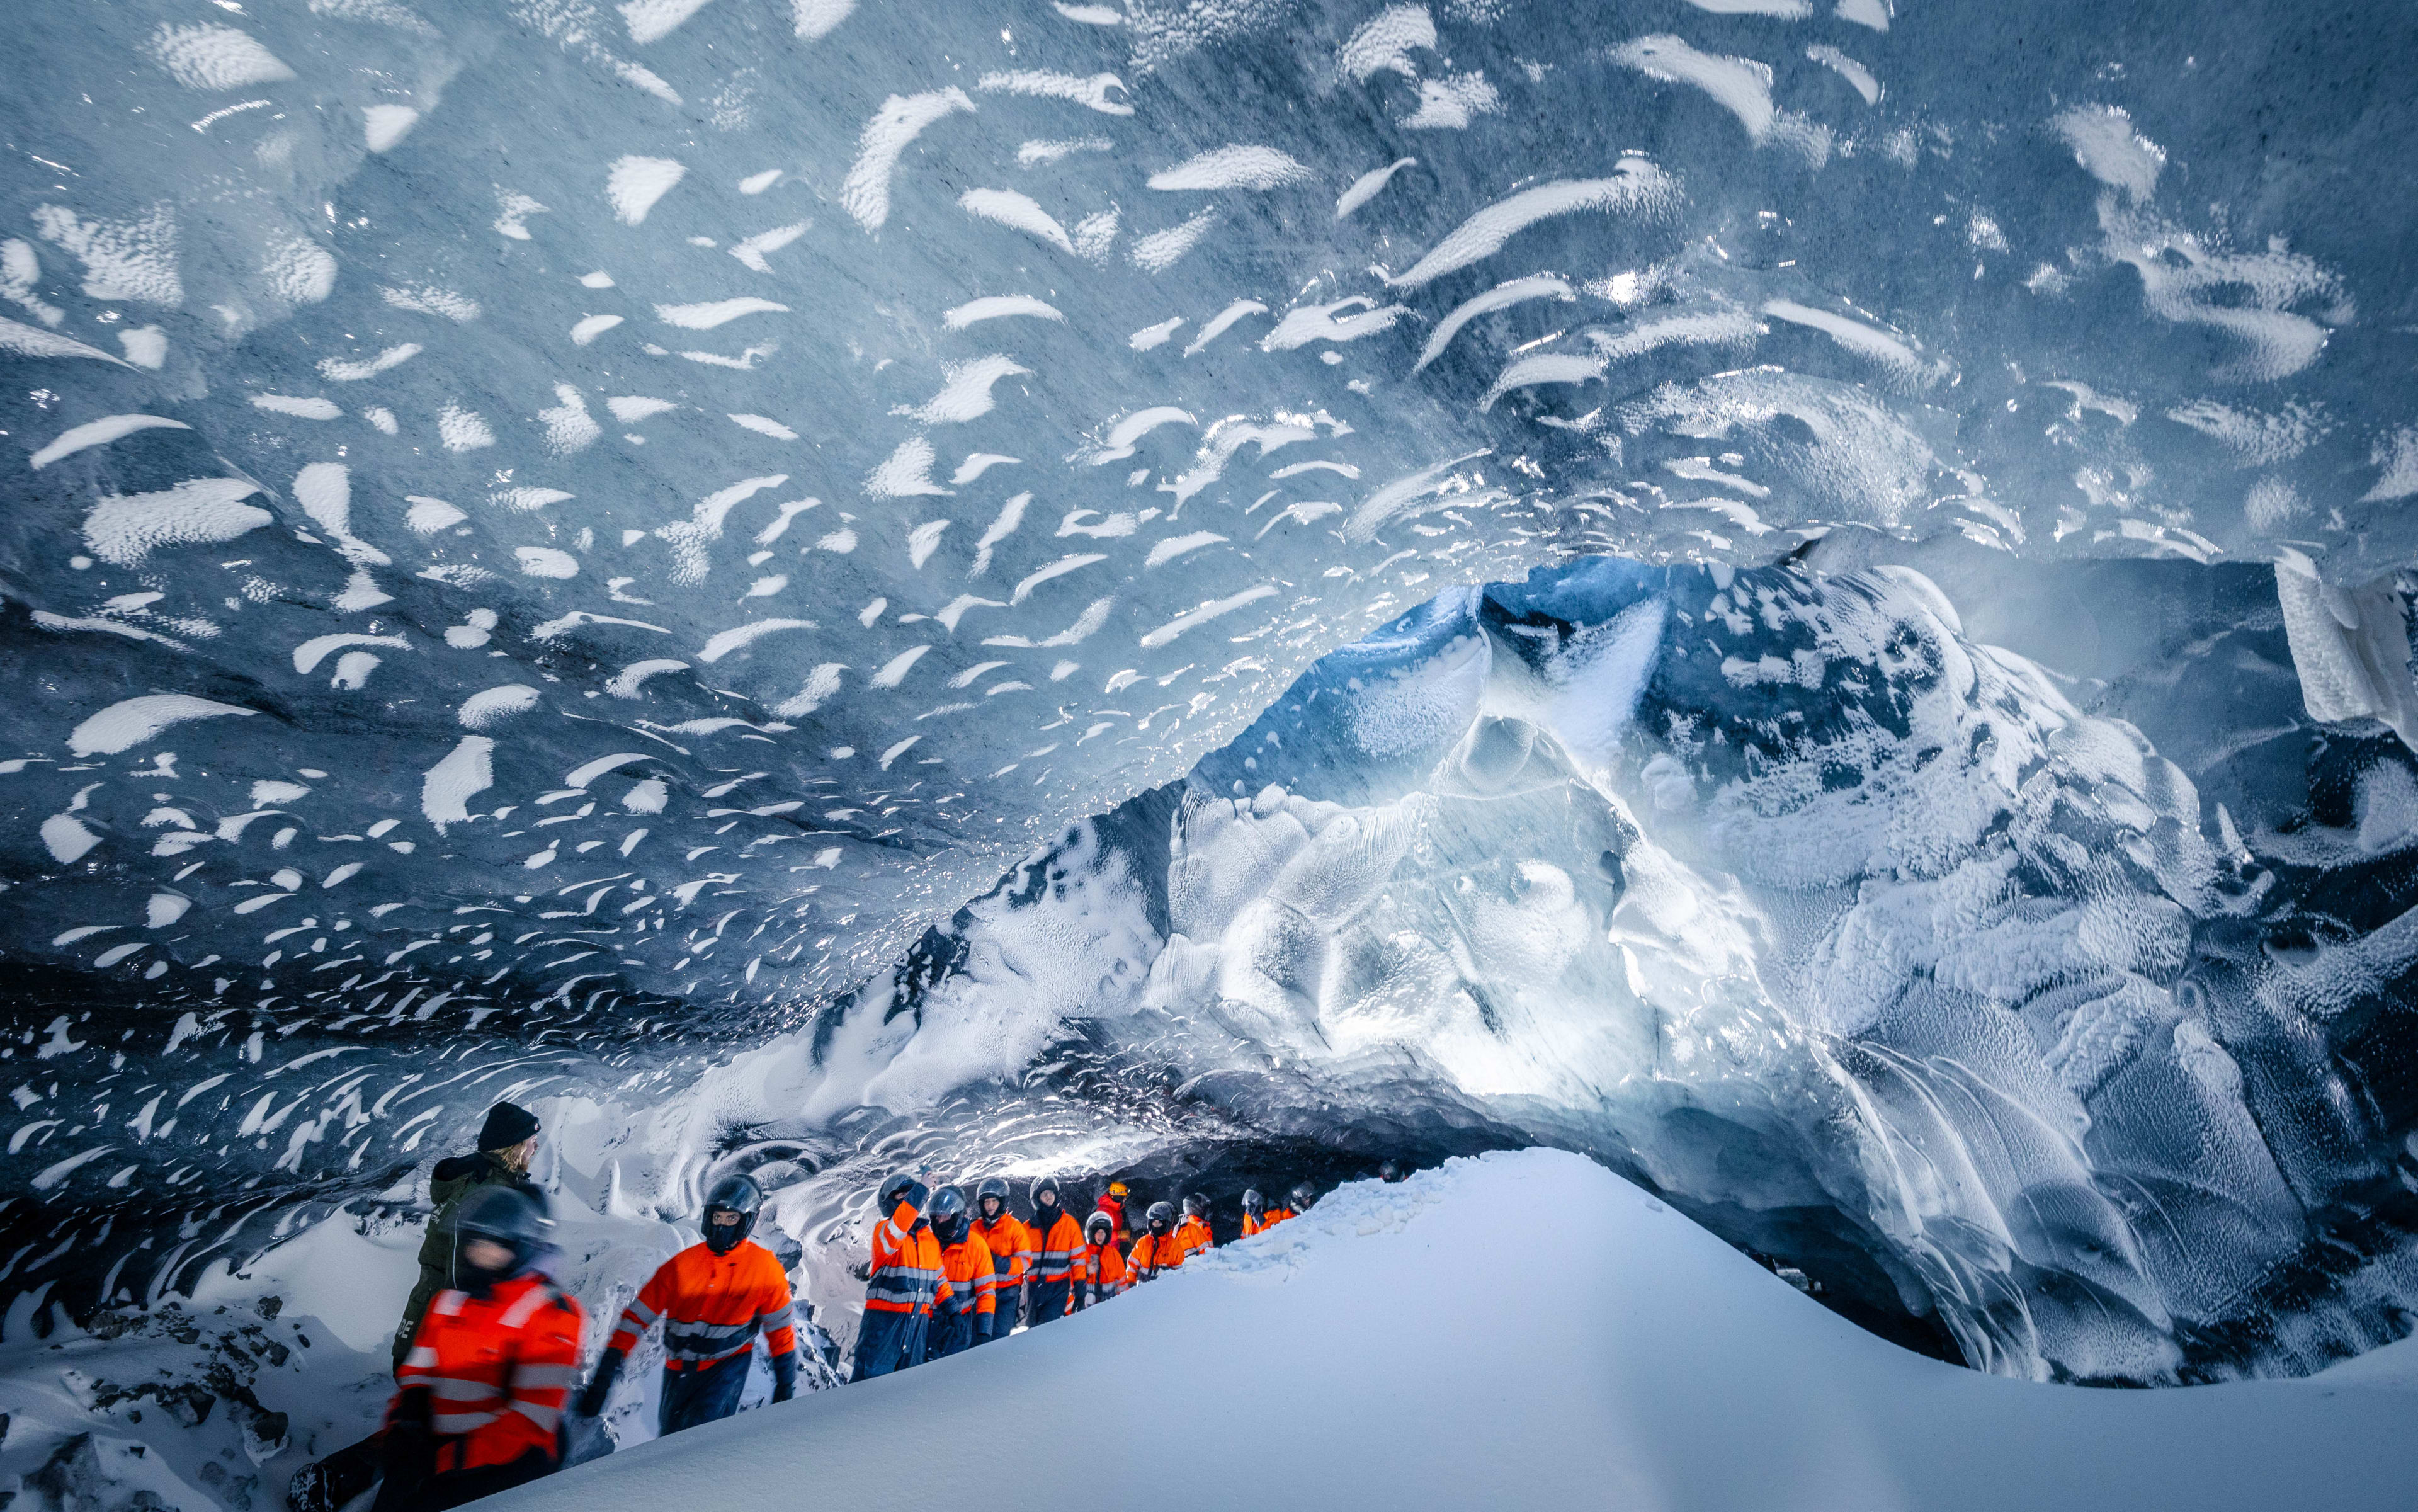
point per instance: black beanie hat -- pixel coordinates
(508, 1124)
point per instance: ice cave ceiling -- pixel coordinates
(1808, 599)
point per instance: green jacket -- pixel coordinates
(455, 1178)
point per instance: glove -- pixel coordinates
(785, 1375)
(600, 1385)
(917, 1195)
(407, 1453)
(861, 1270)
(983, 1324)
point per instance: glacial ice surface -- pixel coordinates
(1810, 601)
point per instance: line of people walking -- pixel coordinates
(943, 1278)
(487, 1358)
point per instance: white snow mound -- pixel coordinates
(1516, 1331)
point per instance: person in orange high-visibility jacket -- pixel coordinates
(1156, 1250)
(1056, 1242)
(1100, 1270)
(1303, 1194)
(1011, 1253)
(1256, 1216)
(714, 1299)
(1113, 1204)
(490, 1366)
(1193, 1230)
(903, 1283)
(965, 1320)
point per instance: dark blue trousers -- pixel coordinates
(955, 1332)
(693, 1397)
(1049, 1301)
(888, 1342)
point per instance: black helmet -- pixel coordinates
(1196, 1206)
(948, 1215)
(1041, 1185)
(1253, 1203)
(995, 1187)
(1388, 1171)
(507, 1216)
(895, 1190)
(735, 1194)
(1161, 1217)
(1303, 1196)
(1099, 1223)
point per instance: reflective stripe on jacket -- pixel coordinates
(712, 1306)
(906, 1266)
(973, 1281)
(1011, 1246)
(1056, 1249)
(1154, 1253)
(1100, 1272)
(498, 1369)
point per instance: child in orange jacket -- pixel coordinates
(1100, 1270)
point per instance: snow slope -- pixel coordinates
(1520, 1330)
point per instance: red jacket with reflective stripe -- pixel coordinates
(712, 1305)
(1155, 1253)
(973, 1282)
(499, 1367)
(1100, 1272)
(906, 1266)
(1194, 1235)
(1057, 1249)
(1012, 1250)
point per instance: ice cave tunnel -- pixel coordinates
(1805, 601)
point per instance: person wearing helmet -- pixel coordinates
(1100, 1270)
(902, 1285)
(483, 1384)
(1390, 1171)
(507, 1142)
(1255, 1213)
(1193, 1230)
(1056, 1242)
(715, 1298)
(1011, 1246)
(1113, 1204)
(1304, 1195)
(1158, 1249)
(965, 1318)
(1275, 1215)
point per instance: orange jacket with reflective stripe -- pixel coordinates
(712, 1306)
(906, 1266)
(499, 1367)
(1057, 1249)
(1269, 1220)
(1155, 1253)
(1100, 1272)
(973, 1282)
(1194, 1234)
(1012, 1250)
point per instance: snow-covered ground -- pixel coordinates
(1520, 1330)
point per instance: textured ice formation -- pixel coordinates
(552, 544)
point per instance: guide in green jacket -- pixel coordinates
(507, 1144)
